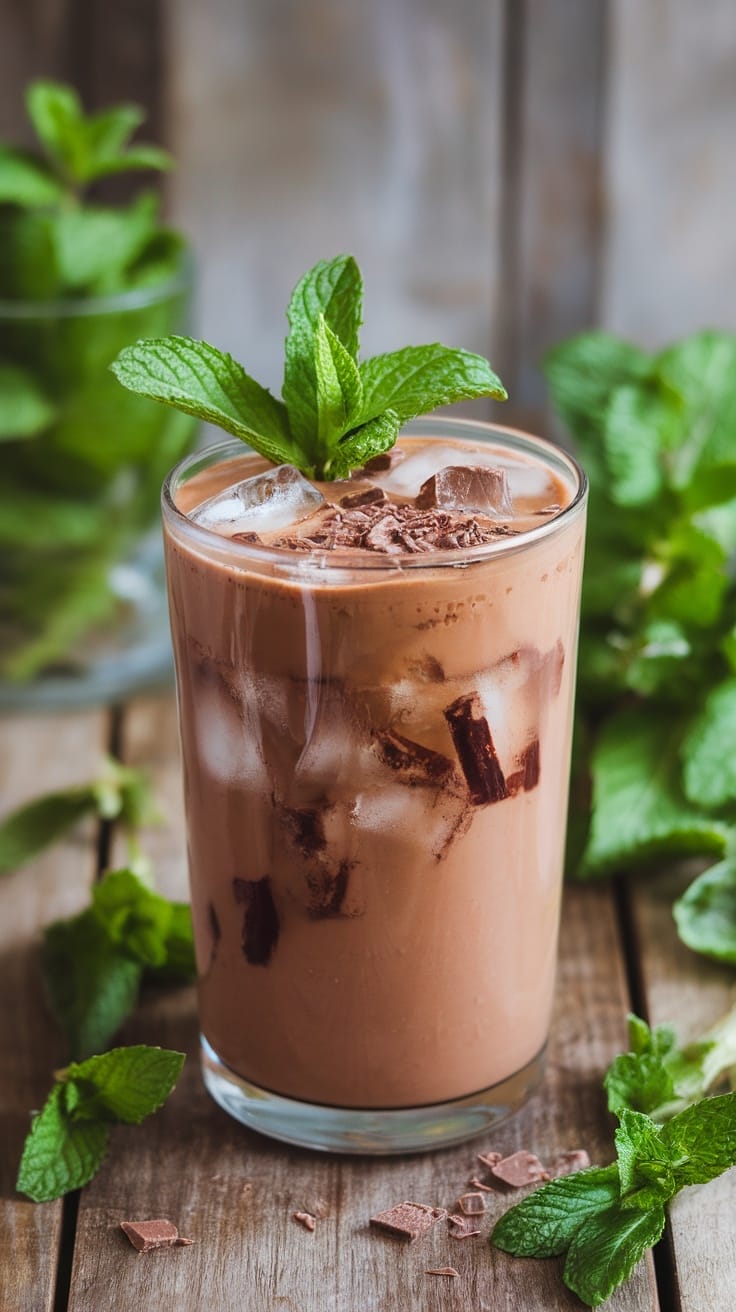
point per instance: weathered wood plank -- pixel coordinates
(306, 127)
(691, 993)
(234, 1192)
(552, 231)
(36, 42)
(35, 755)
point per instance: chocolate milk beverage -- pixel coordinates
(375, 686)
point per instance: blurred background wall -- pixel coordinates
(506, 171)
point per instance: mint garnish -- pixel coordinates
(606, 1218)
(120, 793)
(659, 1078)
(337, 412)
(95, 962)
(68, 1138)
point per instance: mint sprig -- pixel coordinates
(94, 963)
(68, 1138)
(337, 412)
(659, 1078)
(605, 1219)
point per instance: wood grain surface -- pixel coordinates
(35, 756)
(233, 1192)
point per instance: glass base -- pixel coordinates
(131, 653)
(376, 1133)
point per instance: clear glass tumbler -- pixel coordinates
(82, 596)
(376, 755)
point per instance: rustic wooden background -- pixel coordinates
(506, 171)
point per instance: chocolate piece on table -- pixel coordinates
(413, 763)
(462, 1227)
(476, 752)
(306, 1219)
(441, 1271)
(520, 1169)
(260, 921)
(408, 1221)
(489, 1159)
(478, 1184)
(472, 1204)
(474, 489)
(147, 1235)
(386, 461)
(566, 1163)
(370, 496)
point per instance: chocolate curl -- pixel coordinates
(476, 752)
(260, 921)
(408, 1221)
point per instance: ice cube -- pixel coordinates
(524, 480)
(228, 735)
(264, 503)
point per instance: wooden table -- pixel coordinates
(234, 1192)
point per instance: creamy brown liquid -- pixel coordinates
(372, 929)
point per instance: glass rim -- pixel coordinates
(313, 565)
(75, 307)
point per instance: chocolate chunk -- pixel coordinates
(461, 1227)
(248, 538)
(527, 777)
(408, 1221)
(215, 930)
(476, 752)
(370, 496)
(441, 1271)
(385, 535)
(386, 461)
(472, 1204)
(520, 1169)
(565, 1163)
(306, 1219)
(328, 889)
(414, 764)
(260, 921)
(478, 1184)
(469, 488)
(307, 828)
(147, 1235)
(489, 1159)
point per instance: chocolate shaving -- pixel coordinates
(386, 461)
(414, 764)
(489, 1159)
(408, 1221)
(328, 889)
(565, 1163)
(520, 1169)
(441, 1271)
(307, 828)
(476, 752)
(145, 1236)
(250, 539)
(393, 529)
(464, 488)
(306, 1219)
(260, 921)
(472, 1204)
(370, 496)
(478, 1184)
(461, 1227)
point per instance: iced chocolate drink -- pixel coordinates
(375, 684)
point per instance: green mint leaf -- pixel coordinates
(709, 761)
(701, 373)
(634, 428)
(545, 1224)
(138, 157)
(56, 114)
(338, 388)
(179, 962)
(702, 1140)
(108, 131)
(26, 180)
(95, 244)
(202, 381)
(583, 373)
(28, 265)
(92, 987)
(138, 920)
(639, 812)
(332, 289)
(420, 378)
(705, 915)
(124, 1084)
(60, 1154)
(640, 1081)
(645, 1163)
(24, 410)
(606, 1248)
(370, 439)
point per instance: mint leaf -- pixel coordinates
(202, 381)
(333, 290)
(706, 913)
(635, 426)
(26, 180)
(420, 378)
(24, 410)
(641, 1082)
(92, 987)
(702, 1140)
(645, 1164)
(701, 372)
(606, 1248)
(60, 1154)
(582, 374)
(179, 962)
(338, 388)
(370, 439)
(709, 761)
(545, 1224)
(639, 811)
(56, 114)
(93, 244)
(124, 1084)
(133, 917)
